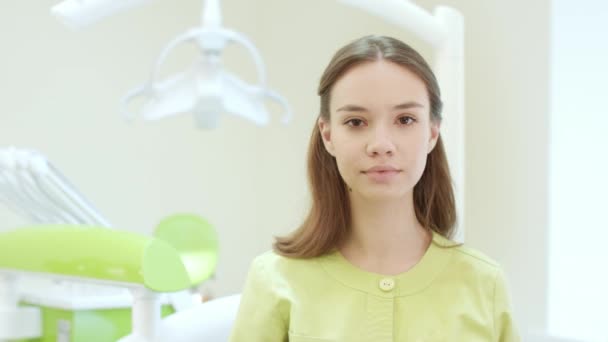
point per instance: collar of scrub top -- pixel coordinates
(206, 89)
(33, 188)
(436, 258)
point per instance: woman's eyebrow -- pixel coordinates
(408, 105)
(351, 108)
(401, 106)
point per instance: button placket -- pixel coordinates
(380, 320)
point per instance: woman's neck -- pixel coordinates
(385, 237)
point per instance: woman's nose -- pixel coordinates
(380, 144)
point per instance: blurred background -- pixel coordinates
(535, 167)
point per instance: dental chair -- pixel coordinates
(180, 256)
(69, 276)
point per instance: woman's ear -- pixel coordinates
(435, 128)
(324, 129)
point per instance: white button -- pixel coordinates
(387, 284)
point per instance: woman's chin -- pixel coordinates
(382, 193)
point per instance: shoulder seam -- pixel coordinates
(484, 260)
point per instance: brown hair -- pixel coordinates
(327, 224)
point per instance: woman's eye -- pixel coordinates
(354, 122)
(406, 120)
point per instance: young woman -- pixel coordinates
(373, 261)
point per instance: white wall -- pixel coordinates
(578, 185)
(60, 90)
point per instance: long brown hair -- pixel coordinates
(327, 224)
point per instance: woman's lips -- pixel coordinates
(382, 176)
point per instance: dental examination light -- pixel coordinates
(206, 89)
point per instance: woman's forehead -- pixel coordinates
(378, 83)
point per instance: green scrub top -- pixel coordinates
(453, 293)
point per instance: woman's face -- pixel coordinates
(380, 130)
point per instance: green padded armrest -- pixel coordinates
(98, 253)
